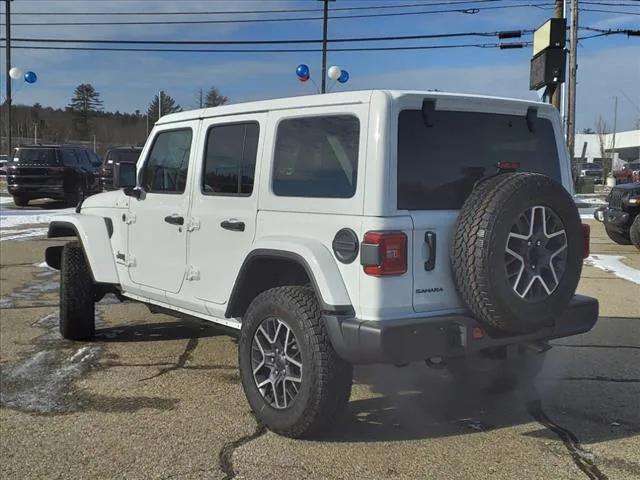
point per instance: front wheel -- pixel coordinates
(295, 382)
(20, 201)
(495, 372)
(634, 232)
(77, 305)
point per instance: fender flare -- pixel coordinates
(317, 261)
(93, 233)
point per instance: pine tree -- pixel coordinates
(214, 98)
(85, 102)
(168, 106)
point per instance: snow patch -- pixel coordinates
(613, 264)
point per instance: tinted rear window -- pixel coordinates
(37, 156)
(438, 166)
(123, 156)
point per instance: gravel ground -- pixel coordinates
(155, 397)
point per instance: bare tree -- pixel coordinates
(602, 129)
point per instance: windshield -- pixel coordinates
(439, 165)
(36, 156)
(130, 156)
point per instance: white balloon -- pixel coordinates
(334, 72)
(15, 73)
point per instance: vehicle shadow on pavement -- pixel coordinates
(156, 332)
(416, 402)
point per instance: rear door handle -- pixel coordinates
(430, 239)
(174, 219)
(234, 225)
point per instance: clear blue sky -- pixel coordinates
(608, 66)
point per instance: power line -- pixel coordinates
(513, 33)
(469, 11)
(608, 11)
(246, 12)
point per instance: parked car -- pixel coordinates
(629, 173)
(591, 170)
(621, 215)
(60, 172)
(117, 155)
(3, 164)
(342, 229)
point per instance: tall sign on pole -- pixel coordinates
(549, 60)
(325, 26)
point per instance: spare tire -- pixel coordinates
(517, 252)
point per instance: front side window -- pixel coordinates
(317, 157)
(230, 159)
(165, 170)
(69, 158)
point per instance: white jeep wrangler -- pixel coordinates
(341, 229)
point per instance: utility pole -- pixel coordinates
(573, 70)
(159, 104)
(325, 24)
(615, 127)
(7, 19)
(35, 133)
(556, 97)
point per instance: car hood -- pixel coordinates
(115, 199)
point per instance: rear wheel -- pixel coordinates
(495, 372)
(618, 237)
(634, 232)
(77, 307)
(20, 201)
(295, 382)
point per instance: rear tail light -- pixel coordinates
(586, 230)
(384, 253)
(508, 166)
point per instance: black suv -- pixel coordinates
(117, 155)
(60, 172)
(621, 217)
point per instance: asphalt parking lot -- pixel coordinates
(155, 397)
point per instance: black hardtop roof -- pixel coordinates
(58, 145)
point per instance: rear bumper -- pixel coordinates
(416, 339)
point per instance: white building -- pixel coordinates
(625, 147)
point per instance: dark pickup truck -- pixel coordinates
(113, 156)
(621, 217)
(61, 172)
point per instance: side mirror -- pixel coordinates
(124, 175)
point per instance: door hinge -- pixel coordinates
(129, 261)
(129, 218)
(193, 273)
(194, 224)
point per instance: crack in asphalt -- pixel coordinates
(598, 346)
(602, 379)
(184, 357)
(225, 457)
(583, 459)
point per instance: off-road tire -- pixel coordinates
(618, 237)
(20, 201)
(634, 232)
(491, 372)
(77, 307)
(326, 378)
(478, 251)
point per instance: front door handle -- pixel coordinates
(430, 239)
(174, 219)
(234, 225)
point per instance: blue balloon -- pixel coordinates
(302, 70)
(344, 76)
(30, 77)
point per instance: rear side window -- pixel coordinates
(165, 170)
(438, 165)
(36, 156)
(317, 157)
(69, 158)
(230, 159)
